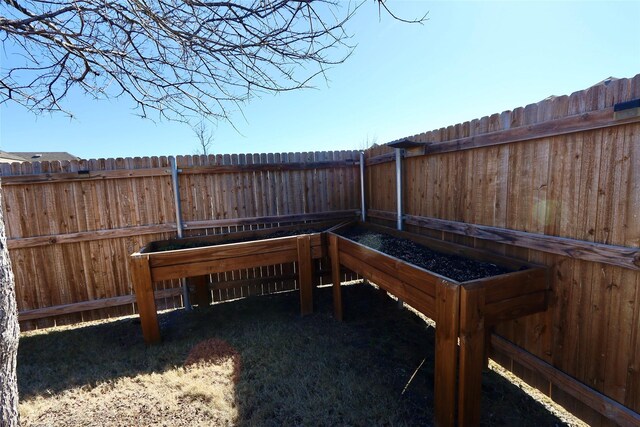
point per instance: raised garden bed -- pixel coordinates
(197, 257)
(464, 309)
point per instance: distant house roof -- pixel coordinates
(10, 157)
(44, 156)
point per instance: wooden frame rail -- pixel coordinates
(84, 236)
(195, 263)
(59, 310)
(619, 414)
(462, 311)
(93, 175)
(620, 256)
(591, 120)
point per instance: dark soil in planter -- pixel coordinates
(455, 267)
(201, 244)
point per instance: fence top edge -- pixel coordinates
(16, 169)
(600, 96)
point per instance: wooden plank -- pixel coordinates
(83, 175)
(622, 256)
(294, 165)
(321, 183)
(58, 310)
(446, 364)
(253, 234)
(143, 285)
(92, 175)
(472, 337)
(410, 293)
(606, 406)
(222, 265)
(567, 125)
(514, 308)
(223, 251)
(305, 272)
(335, 276)
(77, 307)
(87, 236)
(382, 158)
(511, 285)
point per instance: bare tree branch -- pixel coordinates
(180, 58)
(205, 138)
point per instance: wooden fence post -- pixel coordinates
(305, 274)
(447, 328)
(141, 277)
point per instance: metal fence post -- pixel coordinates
(176, 197)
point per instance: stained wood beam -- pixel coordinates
(83, 236)
(77, 307)
(621, 256)
(335, 276)
(606, 406)
(277, 167)
(305, 272)
(143, 285)
(91, 175)
(591, 120)
(83, 175)
(472, 337)
(446, 364)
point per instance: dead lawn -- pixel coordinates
(271, 368)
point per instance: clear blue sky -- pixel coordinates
(469, 60)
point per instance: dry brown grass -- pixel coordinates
(215, 351)
(295, 371)
(201, 394)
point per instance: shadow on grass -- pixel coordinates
(295, 371)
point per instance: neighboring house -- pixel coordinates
(33, 156)
(10, 158)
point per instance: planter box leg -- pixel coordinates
(305, 275)
(203, 294)
(335, 277)
(447, 322)
(487, 347)
(143, 286)
(472, 339)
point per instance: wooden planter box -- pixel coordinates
(462, 311)
(153, 264)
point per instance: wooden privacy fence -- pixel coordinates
(71, 226)
(556, 183)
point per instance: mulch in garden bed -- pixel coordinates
(453, 266)
(201, 244)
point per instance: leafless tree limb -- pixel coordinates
(205, 138)
(179, 58)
